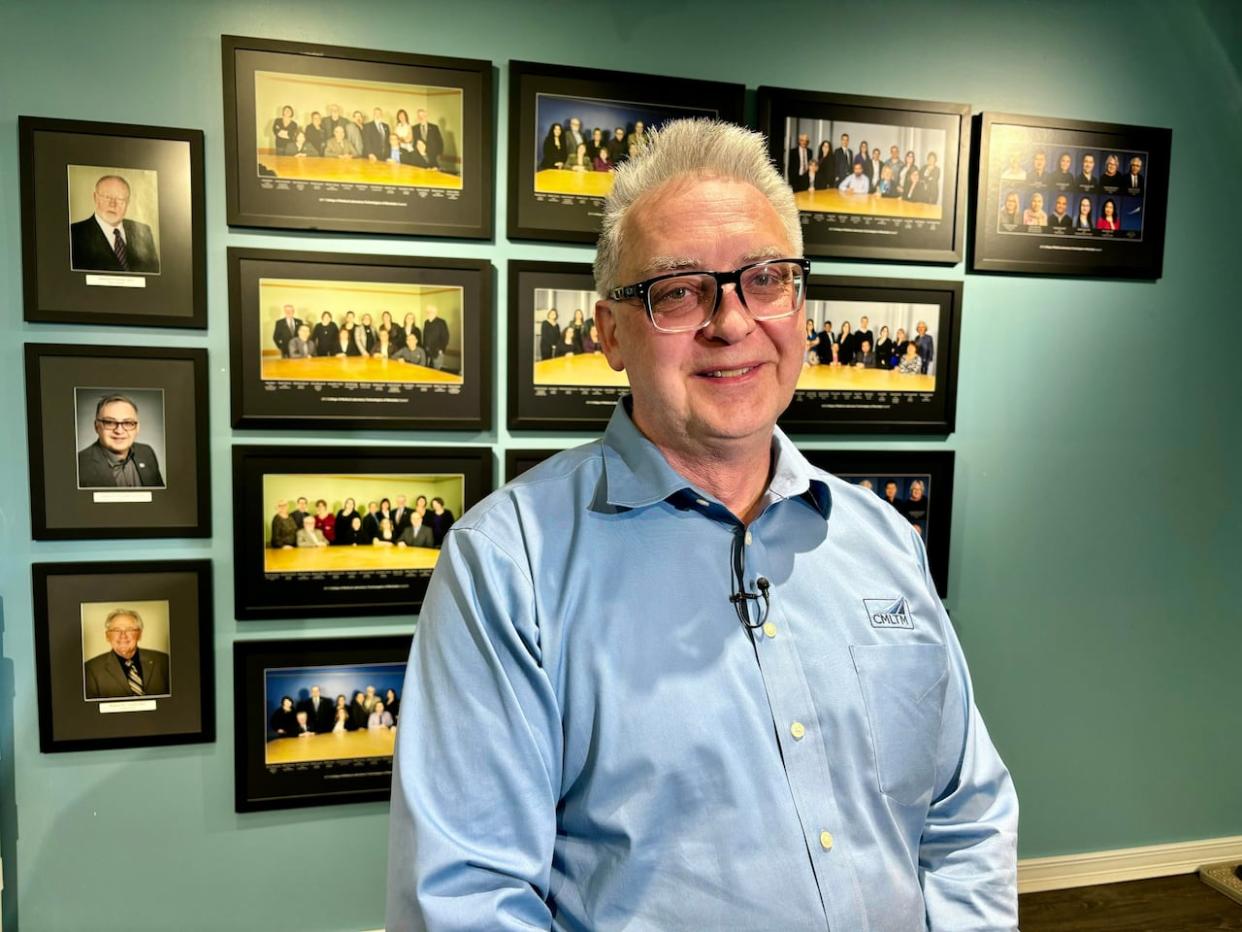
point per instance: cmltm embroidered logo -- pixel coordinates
(889, 613)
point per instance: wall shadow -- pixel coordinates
(8, 787)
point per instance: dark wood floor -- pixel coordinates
(1166, 904)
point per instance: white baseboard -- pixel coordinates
(1081, 870)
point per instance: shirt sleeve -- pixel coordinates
(968, 852)
(476, 774)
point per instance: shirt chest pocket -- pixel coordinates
(903, 690)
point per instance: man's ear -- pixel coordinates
(607, 326)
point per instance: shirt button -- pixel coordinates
(769, 629)
(748, 538)
(825, 840)
(797, 729)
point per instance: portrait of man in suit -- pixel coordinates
(429, 134)
(116, 460)
(108, 240)
(319, 711)
(125, 671)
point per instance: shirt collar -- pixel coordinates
(636, 474)
(108, 228)
(113, 459)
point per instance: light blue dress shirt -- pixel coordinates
(590, 739)
(855, 184)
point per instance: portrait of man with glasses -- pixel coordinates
(108, 240)
(116, 460)
(678, 677)
(125, 671)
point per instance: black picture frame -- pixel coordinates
(555, 405)
(70, 272)
(78, 695)
(453, 200)
(518, 461)
(457, 396)
(1133, 248)
(934, 467)
(571, 208)
(909, 229)
(269, 583)
(264, 775)
(171, 448)
(847, 401)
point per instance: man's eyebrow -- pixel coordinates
(659, 264)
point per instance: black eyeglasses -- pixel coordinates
(680, 301)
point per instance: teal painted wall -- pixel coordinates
(1096, 534)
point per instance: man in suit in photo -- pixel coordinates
(573, 135)
(1132, 183)
(375, 137)
(435, 338)
(125, 672)
(1060, 219)
(638, 137)
(286, 329)
(354, 132)
(370, 523)
(116, 459)
(401, 515)
(320, 713)
(108, 242)
(842, 160)
(1085, 181)
(416, 534)
(798, 165)
(864, 331)
(302, 513)
(429, 133)
(1039, 177)
(334, 119)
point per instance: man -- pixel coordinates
(616, 146)
(316, 134)
(125, 672)
(1039, 178)
(1063, 178)
(106, 241)
(340, 146)
(864, 358)
(429, 135)
(639, 137)
(435, 338)
(1085, 181)
(286, 329)
(573, 135)
(370, 524)
(798, 165)
(895, 163)
(301, 347)
(411, 352)
(890, 496)
(301, 725)
(284, 528)
(416, 534)
(320, 713)
(843, 160)
(855, 182)
(400, 515)
(1133, 182)
(375, 137)
(116, 459)
(310, 536)
(926, 345)
(369, 701)
(334, 119)
(688, 648)
(864, 331)
(303, 509)
(354, 132)
(1060, 219)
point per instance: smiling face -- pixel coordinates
(1011, 203)
(112, 426)
(111, 200)
(1062, 205)
(1088, 164)
(123, 633)
(730, 380)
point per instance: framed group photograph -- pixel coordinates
(123, 654)
(880, 357)
(113, 221)
(918, 483)
(329, 531)
(370, 341)
(1066, 197)
(873, 177)
(319, 137)
(118, 441)
(558, 376)
(316, 720)
(570, 127)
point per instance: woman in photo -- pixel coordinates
(580, 161)
(391, 702)
(384, 347)
(823, 161)
(566, 346)
(600, 163)
(887, 187)
(846, 341)
(324, 336)
(1108, 217)
(810, 341)
(386, 537)
(554, 154)
(1035, 215)
(403, 129)
(931, 177)
(1009, 212)
(325, 520)
(284, 720)
(345, 345)
(1084, 219)
(285, 129)
(549, 334)
(911, 363)
(300, 148)
(908, 166)
(590, 340)
(1013, 170)
(343, 519)
(884, 350)
(341, 725)
(579, 328)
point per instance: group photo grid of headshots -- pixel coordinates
(869, 346)
(378, 333)
(327, 130)
(881, 173)
(339, 524)
(332, 713)
(1050, 189)
(909, 494)
(584, 139)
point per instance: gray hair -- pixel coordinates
(113, 399)
(708, 148)
(103, 178)
(122, 612)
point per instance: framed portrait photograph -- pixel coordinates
(316, 720)
(319, 137)
(1065, 197)
(568, 129)
(118, 441)
(113, 221)
(880, 357)
(391, 342)
(123, 653)
(873, 177)
(558, 376)
(910, 482)
(326, 531)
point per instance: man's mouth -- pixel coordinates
(727, 373)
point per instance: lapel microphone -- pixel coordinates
(741, 598)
